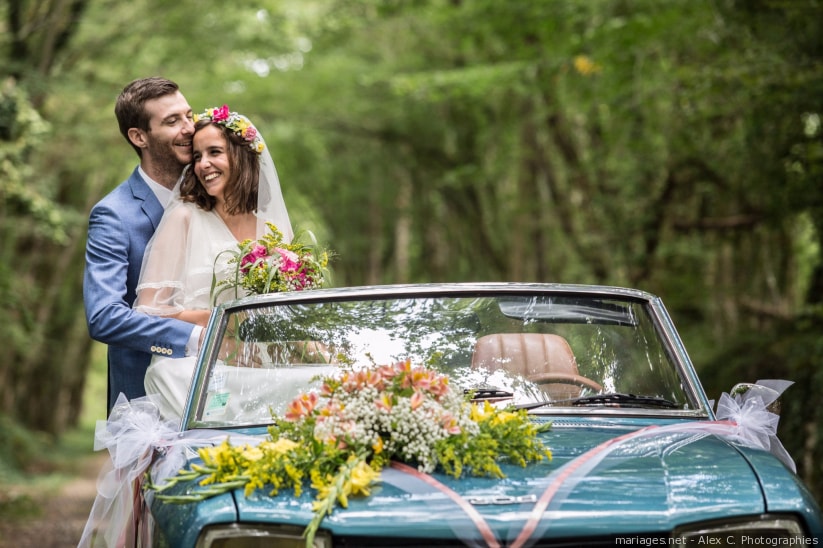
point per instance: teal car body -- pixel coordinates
(652, 467)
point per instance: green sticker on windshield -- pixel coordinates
(216, 404)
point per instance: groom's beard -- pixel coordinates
(168, 161)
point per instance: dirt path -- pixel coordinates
(62, 517)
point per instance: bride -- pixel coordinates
(229, 194)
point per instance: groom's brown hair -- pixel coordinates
(130, 106)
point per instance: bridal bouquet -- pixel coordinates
(360, 421)
(270, 265)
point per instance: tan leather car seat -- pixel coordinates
(534, 356)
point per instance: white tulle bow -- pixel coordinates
(756, 425)
(132, 434)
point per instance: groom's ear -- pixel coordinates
(137, 137)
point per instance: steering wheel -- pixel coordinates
(565, 378)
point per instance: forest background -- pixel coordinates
(673, 146)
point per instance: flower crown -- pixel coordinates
(236, 123)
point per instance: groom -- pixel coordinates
(156, 120)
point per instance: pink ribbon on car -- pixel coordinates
(135, 430)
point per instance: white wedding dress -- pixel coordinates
(190, 248)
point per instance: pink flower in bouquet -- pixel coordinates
(417, 399)
(292, 267)
(450, 424)
(384, 403)
(363, 379)
(388, 372)
(302, 406)
(250, 133)
(270, 265)
(257, 253)
(291, 261)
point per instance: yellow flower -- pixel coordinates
(253, 453)
(362, 476)
(342, 496)
(503, 417)
(478, 415)
(320, 484)
(282, 446)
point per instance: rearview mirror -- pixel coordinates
(769, 396)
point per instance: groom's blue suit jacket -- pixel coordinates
(120, 226)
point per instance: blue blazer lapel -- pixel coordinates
(143, 193)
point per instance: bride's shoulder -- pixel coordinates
(180, 212)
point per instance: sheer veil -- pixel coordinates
(271, 207)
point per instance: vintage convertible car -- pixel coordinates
(639, 453)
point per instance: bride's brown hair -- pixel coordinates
(241, 190)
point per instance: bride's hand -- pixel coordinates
(202, 317)
(197, 317)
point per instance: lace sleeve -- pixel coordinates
(161, 288)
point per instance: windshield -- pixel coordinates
(520, 350)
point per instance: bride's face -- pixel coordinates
(211, 160)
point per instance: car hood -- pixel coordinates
(641, 484)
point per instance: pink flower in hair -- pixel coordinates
(221, 114)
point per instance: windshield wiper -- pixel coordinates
(487, 393)
(624, 400)
(614, 398)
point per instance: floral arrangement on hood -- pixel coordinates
(360, 421)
